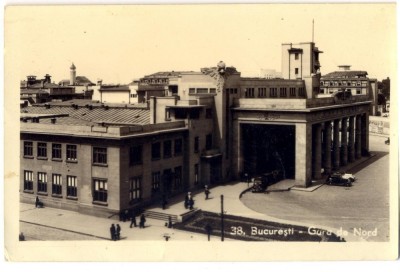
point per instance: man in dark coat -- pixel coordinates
(133, 221)
(206, 191)
(112, 232)
(118, 232)
(142, 221)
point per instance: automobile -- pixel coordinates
(387, 141)
(261, 183)
(343, 179)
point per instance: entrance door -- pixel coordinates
(215, 171)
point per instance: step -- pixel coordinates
(161, 216)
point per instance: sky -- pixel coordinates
(120, 43)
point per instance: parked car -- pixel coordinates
(387, 141)
(341, 179)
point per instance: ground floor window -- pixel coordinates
(28, 180)
(155, 182)
(42, 182)
(196, 174)
(178, 177)
(100, 190)
(72, 186)
(135, 188)
(56, 184)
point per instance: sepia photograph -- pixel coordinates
(218, 132)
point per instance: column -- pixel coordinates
(351, 139)
(317, 151)
(358, 137)
(303, 159)
(336, 145)
(343, 142)
(364, 134)
(328, 147)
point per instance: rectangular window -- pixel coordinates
(202, 90)
(56, 184)
(42, 182)
(296, 56)
(72, 186)
(178, 177)
(135, 189)
(282, 92)
(71, 153)
(209, 141)
(358, 91)
(213, 90)
(292, 91)
(28, 181)
(155, 182)
(249, 92)
(28, 149)
(192, 90)
(196, 144)
(156, 151)
(100, 155)
(100, 190)
(167, 149)
(135, 155)
(196, 174)
(301, 92)
(273, 92)
(56, 152)
(296, 71)
(42, 150)
(262, 92)
(178, 147)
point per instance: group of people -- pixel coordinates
(189, 201)
(115, 232)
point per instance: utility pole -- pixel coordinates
(222, 218)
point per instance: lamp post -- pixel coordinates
(222, 218)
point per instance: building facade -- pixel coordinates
(191, 129)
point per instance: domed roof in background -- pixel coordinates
(72, 66)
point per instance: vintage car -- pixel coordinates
(387, 141)
(261, 183)
(343, 179)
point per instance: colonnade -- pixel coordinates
(337, 142)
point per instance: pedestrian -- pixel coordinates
(133, 221)
(37, 201)
(169, 222)
(164, 202)
(112, 232)
(118, 232)
(191, 203)
(21, 237)
(125, 217)
(206, 191)
(208, 229)
(142, 221)
(187, 197)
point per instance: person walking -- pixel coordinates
(118, 232)
(191, 203)
(133, 221)
(187, 197)
(142, 221)
(112, 232)
(206, 191)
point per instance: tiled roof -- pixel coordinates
(109, 114)
(346, 74)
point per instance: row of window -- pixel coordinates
(331, 91)
(156, 150)
(56, 184)
(344, 83)
(202, 90)
(273, 92)
(56, 151)
(100, 190)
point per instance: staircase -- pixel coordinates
(161, 216)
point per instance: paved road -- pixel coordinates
(365, 206)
